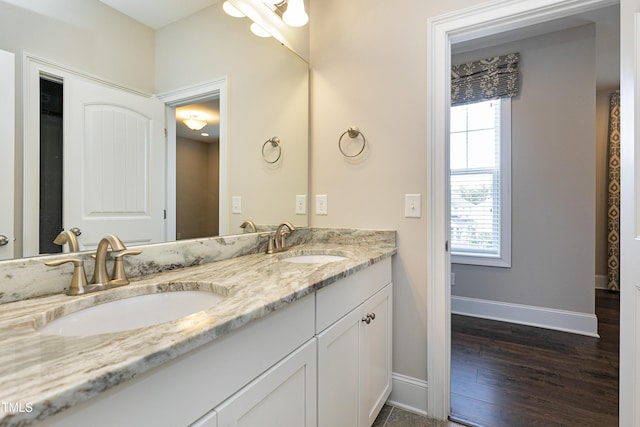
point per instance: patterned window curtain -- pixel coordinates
(491, 78)
(613, 202)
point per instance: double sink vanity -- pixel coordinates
(210, 332)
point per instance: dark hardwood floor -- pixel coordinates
(503, 374)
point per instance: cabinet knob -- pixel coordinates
(4, 240)
(368, 318)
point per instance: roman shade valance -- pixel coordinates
(491, 78)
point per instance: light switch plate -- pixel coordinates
(321, 204)
(301, 204)
(412, 206)
(236, 204)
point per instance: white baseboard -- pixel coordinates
(408, 393)
(602, 281)
(542, 317)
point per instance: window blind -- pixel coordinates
(475, 179)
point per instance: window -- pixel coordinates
(480, 181)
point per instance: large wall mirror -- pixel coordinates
(206, 66)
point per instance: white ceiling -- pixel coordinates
(158, 13)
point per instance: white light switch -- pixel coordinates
(301, 204)
(321, 204)
(236, 204)
(412, 206)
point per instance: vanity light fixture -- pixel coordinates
(231, 10)
(259, 31)
(195, 123)
(295, 15)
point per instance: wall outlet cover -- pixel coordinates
(321, 204)
(236, 204)
(301, 204)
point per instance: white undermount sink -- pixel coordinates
(132, 313)
(313, 258)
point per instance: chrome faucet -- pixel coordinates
(280, 236)
(69, 237)
(100, 275)
(251, 226)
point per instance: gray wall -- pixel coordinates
(553, 178)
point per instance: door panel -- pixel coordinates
(114, 153)
(7, 154)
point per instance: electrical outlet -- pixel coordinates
(321, 204)
(301, 204)
(236, 204)
(412, 206)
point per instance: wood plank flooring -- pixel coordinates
(503, 374)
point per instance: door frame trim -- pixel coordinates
(467, 24)
(184, 96)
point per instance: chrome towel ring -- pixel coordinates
(353, 133)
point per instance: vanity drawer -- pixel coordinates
(336, 300)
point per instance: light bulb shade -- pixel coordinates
(295, 14)
(259, 31)
(231, 10)
(194, 123)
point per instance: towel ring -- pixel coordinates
(275, 142)
(353, 133)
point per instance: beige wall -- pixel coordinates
(553, 178)
(268, 90)
(368, 69)
(84, 35)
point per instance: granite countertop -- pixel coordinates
(47, 373)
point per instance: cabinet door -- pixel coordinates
(284, 396)
(338, 383)
(375, 355)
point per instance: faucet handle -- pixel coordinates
(119, 276)
(270, 243)
(79, 279)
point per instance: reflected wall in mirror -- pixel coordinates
(267, 95)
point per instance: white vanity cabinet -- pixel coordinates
(322, 360)
(354, 352)
(284, 396)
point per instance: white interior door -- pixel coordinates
(629, 214)
(114, 164)
(7, 147)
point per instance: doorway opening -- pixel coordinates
(198, 169)
(51, 152)
(209, 96)
(444, 31)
